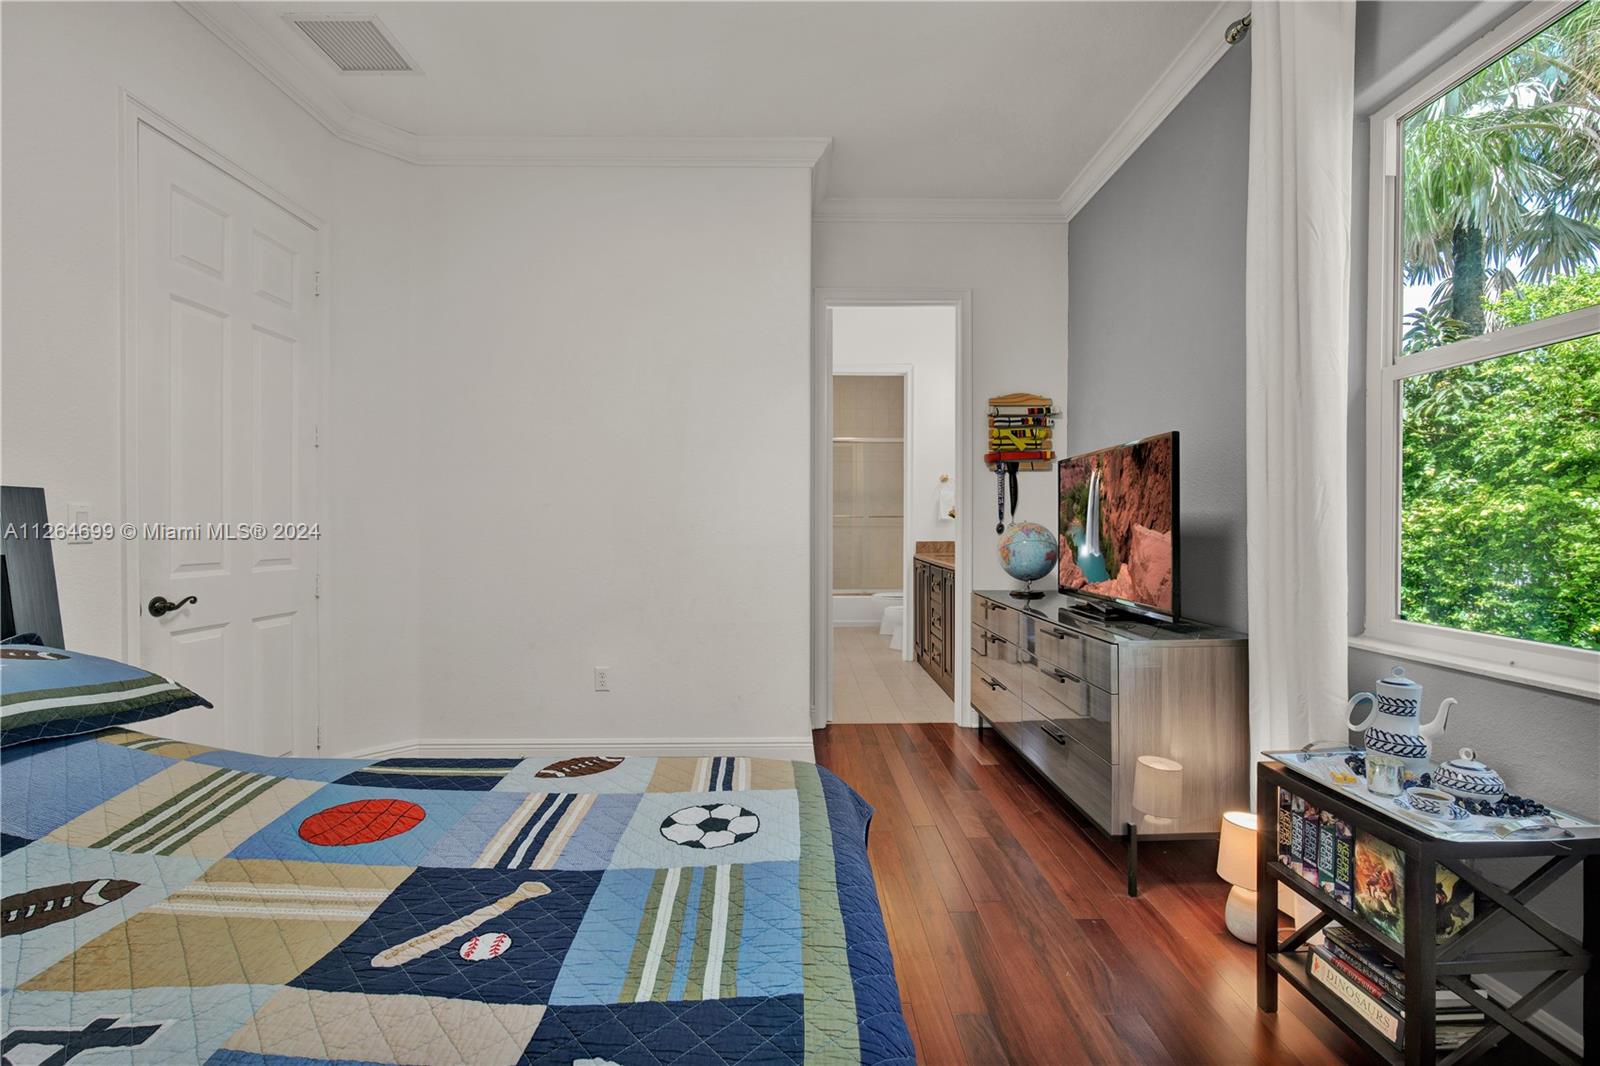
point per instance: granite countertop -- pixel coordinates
(938, 552)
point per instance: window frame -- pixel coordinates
(1572, 670)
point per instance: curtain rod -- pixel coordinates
(1236, 31)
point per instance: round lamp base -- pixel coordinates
(1240, 914)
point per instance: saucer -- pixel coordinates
(1454, 813)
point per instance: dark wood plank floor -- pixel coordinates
(1014, 938)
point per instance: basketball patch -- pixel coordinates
(710, 826)
(582, 766)
(361, 822)
(485, 946)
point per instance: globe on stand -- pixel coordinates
(1028, 552)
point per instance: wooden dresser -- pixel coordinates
(1082, 700)
(934, 595)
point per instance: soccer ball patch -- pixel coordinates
(710, 826)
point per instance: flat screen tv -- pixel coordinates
(1119, 526)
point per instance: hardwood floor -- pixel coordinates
(1014, 939)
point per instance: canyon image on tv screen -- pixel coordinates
(1118, 524)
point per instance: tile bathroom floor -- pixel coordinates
(873, 683)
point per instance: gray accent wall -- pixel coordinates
(1156, 268)
(1155, 323)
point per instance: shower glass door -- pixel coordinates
(868, 482)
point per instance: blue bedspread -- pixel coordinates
(166, 902)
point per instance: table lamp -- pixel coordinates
(1236, 864)
(1158, 793)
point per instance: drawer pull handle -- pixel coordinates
(1064, 677)
(995, 685)
(994, 639)
(1062, 634)
(1059, 738)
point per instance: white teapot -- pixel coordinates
(1393, 728)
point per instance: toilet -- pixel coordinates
(886, 602)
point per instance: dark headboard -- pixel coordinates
(27, 567)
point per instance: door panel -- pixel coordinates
(226, 366)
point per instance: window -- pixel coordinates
(1484, 359)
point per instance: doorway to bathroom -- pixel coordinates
(892, 465)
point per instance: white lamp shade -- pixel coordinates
(1236, 852)
(1158, 786)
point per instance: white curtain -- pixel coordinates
(1297, 315)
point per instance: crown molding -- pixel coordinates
(229, 23)
(234, 28)
(928, 209)
(1169, 90)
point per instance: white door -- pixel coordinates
(228, 357)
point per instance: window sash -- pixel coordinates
(1574, 670)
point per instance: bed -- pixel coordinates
(166, 902)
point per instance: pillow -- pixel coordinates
(47, 693)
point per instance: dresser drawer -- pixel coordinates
(993, 689)
(1082, 776)
(1085, 713)
(997, 618)
(1059, 646)
(1099, 663)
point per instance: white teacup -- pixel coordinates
(1430, 801)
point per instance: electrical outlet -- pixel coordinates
(602, 679)
(77, 521)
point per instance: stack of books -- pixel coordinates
(1020, 431)
(1361, 872)
(1375, 988)
(1317, 846)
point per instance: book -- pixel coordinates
(1344, 863)
(1352, 947)
(1380, 891)
(1010, 456)
(1327, 837)
(1296, 829)
(1312, 839)
(1384, 1019)
(1285, 828)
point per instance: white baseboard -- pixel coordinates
(1553, 1027)
(760, 747)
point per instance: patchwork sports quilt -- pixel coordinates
(171, 903)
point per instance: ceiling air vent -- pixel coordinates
(354, 44)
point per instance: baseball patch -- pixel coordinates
(485, 946)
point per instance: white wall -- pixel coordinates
(65, 67)
(613, 440)
(534, 380)
(924, 339)
(1017, 274)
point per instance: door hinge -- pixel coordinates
(316, 586)
(316, 283)
(316, 436)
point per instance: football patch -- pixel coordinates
(361, 822)
(40, 907)
(582, 766)
(710, 825)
